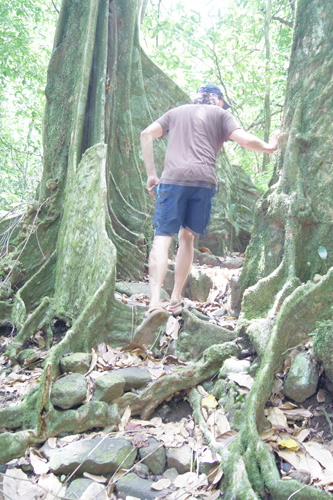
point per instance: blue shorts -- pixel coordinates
(181, 206)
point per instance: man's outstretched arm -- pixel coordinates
(153, 131)
(253, 143)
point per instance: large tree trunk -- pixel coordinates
(91, 221)
(281, 303)
(93, 218)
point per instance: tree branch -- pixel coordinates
(54, 5)
(283, 21)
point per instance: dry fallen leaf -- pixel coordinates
(215, 474)
(298, 412)
(161, 484)
(209, 402)
(277, 418)
(139, 440)
(218, 422)
(301, 435)
(52, 442)
(321, 454)
(16, 486)
(172, 328)
(38, 462)
(226, 438)
(211, 495)
(95, 491)
(321, 396)
(52, 485)
(125, 418)
(243, 379)
(288, 443)
(93, 477)
(306, 462)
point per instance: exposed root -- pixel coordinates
(181, 379)
(91, 415)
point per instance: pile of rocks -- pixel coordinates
(147, 462)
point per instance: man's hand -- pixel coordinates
(253, 143)
(152, 181)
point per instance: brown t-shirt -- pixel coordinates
(196, 134)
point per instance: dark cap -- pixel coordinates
(209, 88)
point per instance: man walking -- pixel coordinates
(196, 133)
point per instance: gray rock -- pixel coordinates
(156, 456)
(192, 342)
(234, 365)
(135, 486)
(141, 469)
(301, 475)
(109, 387)
(171, 474)
(135, 377)
(130, 288)
(69, 391)
(302, 379)
(232, 262)
(322, 346)
(78, 487)
(234, 298)
(108, 455)
(198, 285)
(180, 458)
(209, 259)
(79, 362)
(206, 467)
(220, 312)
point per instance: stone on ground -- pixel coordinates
(130, 288)
(134, 376)
(78, 487)
(198, 285)
(69, 391)
(156, 456)
(180, 458)
(234, 298)
(302, 379)
(134, 486)
(109, 387)
(322, 346)
(79, 362)
(232, 262)
(234, 365)
(108, 455)
(209, 259)
(171, 474)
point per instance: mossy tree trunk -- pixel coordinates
(92, 221)
(281, 302)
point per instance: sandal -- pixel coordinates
(176, 306)
(153, 319)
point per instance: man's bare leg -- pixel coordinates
(183, 262)
(158, 266)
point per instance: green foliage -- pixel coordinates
(228, 48)
(26, 32)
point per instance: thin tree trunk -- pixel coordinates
(267, 129)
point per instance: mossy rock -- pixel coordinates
(322, 346)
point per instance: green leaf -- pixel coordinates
(322, 253)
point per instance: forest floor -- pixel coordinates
(301, 436)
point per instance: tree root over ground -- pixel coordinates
(250, 472)
(41, 421)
